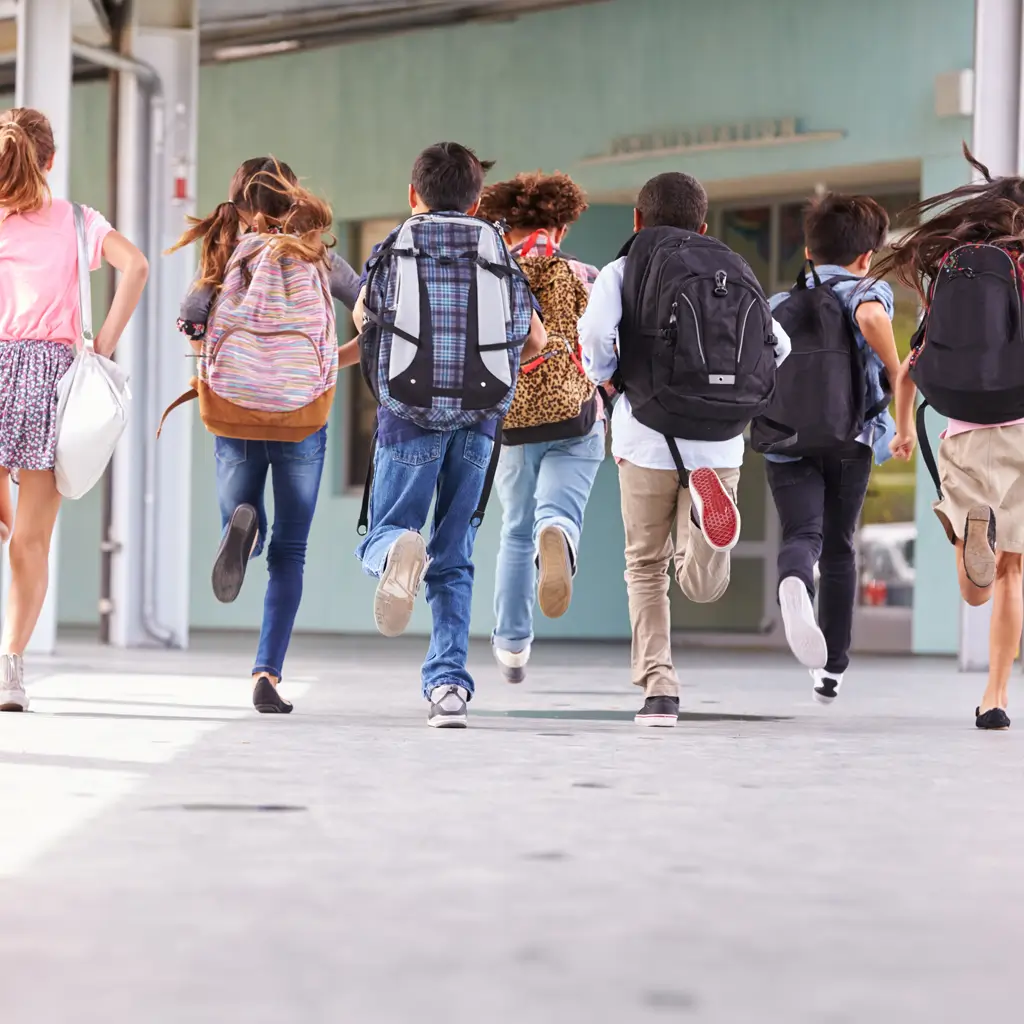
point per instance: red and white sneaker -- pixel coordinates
(713, 510)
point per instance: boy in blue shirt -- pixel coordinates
(820, 499)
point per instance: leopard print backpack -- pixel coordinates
(554, 399)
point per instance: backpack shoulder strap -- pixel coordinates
(926, 449)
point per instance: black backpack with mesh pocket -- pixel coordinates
(696, 349)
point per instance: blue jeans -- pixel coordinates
(448, 469)
(546, 483)
(242, 468)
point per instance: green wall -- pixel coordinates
(549, 90)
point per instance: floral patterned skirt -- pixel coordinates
(29, 371)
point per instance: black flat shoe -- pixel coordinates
(267, 701)
(994, 718)
(233, 554)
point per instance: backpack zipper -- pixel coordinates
(696, 324)
(1013, 273)
(743, 332)
(267, 334)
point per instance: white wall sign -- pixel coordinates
(738, 135)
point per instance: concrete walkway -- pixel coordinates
(167, 856)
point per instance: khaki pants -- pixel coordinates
(654, 507)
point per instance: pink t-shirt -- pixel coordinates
(961, 427)
(39, 271)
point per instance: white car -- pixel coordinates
(885, 559)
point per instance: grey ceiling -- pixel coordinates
(322, 22)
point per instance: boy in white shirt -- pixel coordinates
(703, 517)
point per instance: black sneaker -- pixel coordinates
(447, 708)
(659, 712)
(233, 554)
(267, 701)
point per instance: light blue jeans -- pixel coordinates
(546, 483)
(446, 470)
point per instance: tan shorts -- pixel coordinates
(984, 466)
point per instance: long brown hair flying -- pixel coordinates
(26, 149)
(266, 195)
(990, 210)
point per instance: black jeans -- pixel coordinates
(819, 501)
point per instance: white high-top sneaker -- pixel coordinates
(12, 683)
(826, 685)
(512, 663)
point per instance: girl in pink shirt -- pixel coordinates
(980, 466)
(39, 327)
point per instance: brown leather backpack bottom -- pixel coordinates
(225, 419)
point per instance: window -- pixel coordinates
(359, 404)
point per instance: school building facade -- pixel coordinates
(764, 102)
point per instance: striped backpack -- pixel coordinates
(269, 362)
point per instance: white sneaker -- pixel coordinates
(399, 584)
(512, 663)
(805, 639)
(12, 683)
(826, 685)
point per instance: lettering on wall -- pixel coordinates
(771, 131)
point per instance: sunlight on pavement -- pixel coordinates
(46, 791)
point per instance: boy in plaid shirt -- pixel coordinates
(415, 467)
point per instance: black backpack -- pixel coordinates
(968, 353)
(696, 349)
(969, 350)
(820, 402)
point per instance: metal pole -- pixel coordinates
(43, 80)
(150, 80)
(108, 545)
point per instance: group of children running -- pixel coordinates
(500, 361)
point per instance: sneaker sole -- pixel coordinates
(14, 706)
(398, 587)
(979, 558)
(803, 634)
(233, 554)
(512, 675)
(657, 721)
(822, 699)
(719, 517)
(554, 583)
(448, 722)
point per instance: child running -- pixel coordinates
(260, 317)
(680, 324)
(967, 358)
(553, 441)
(40, 325)
(444, 312)
(839, 406)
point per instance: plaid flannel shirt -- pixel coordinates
(449, 289)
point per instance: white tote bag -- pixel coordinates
(92, 398)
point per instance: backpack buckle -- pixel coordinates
(720, 278)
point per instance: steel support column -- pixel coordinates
(43, 81)
(997, 141)
(152, 480)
